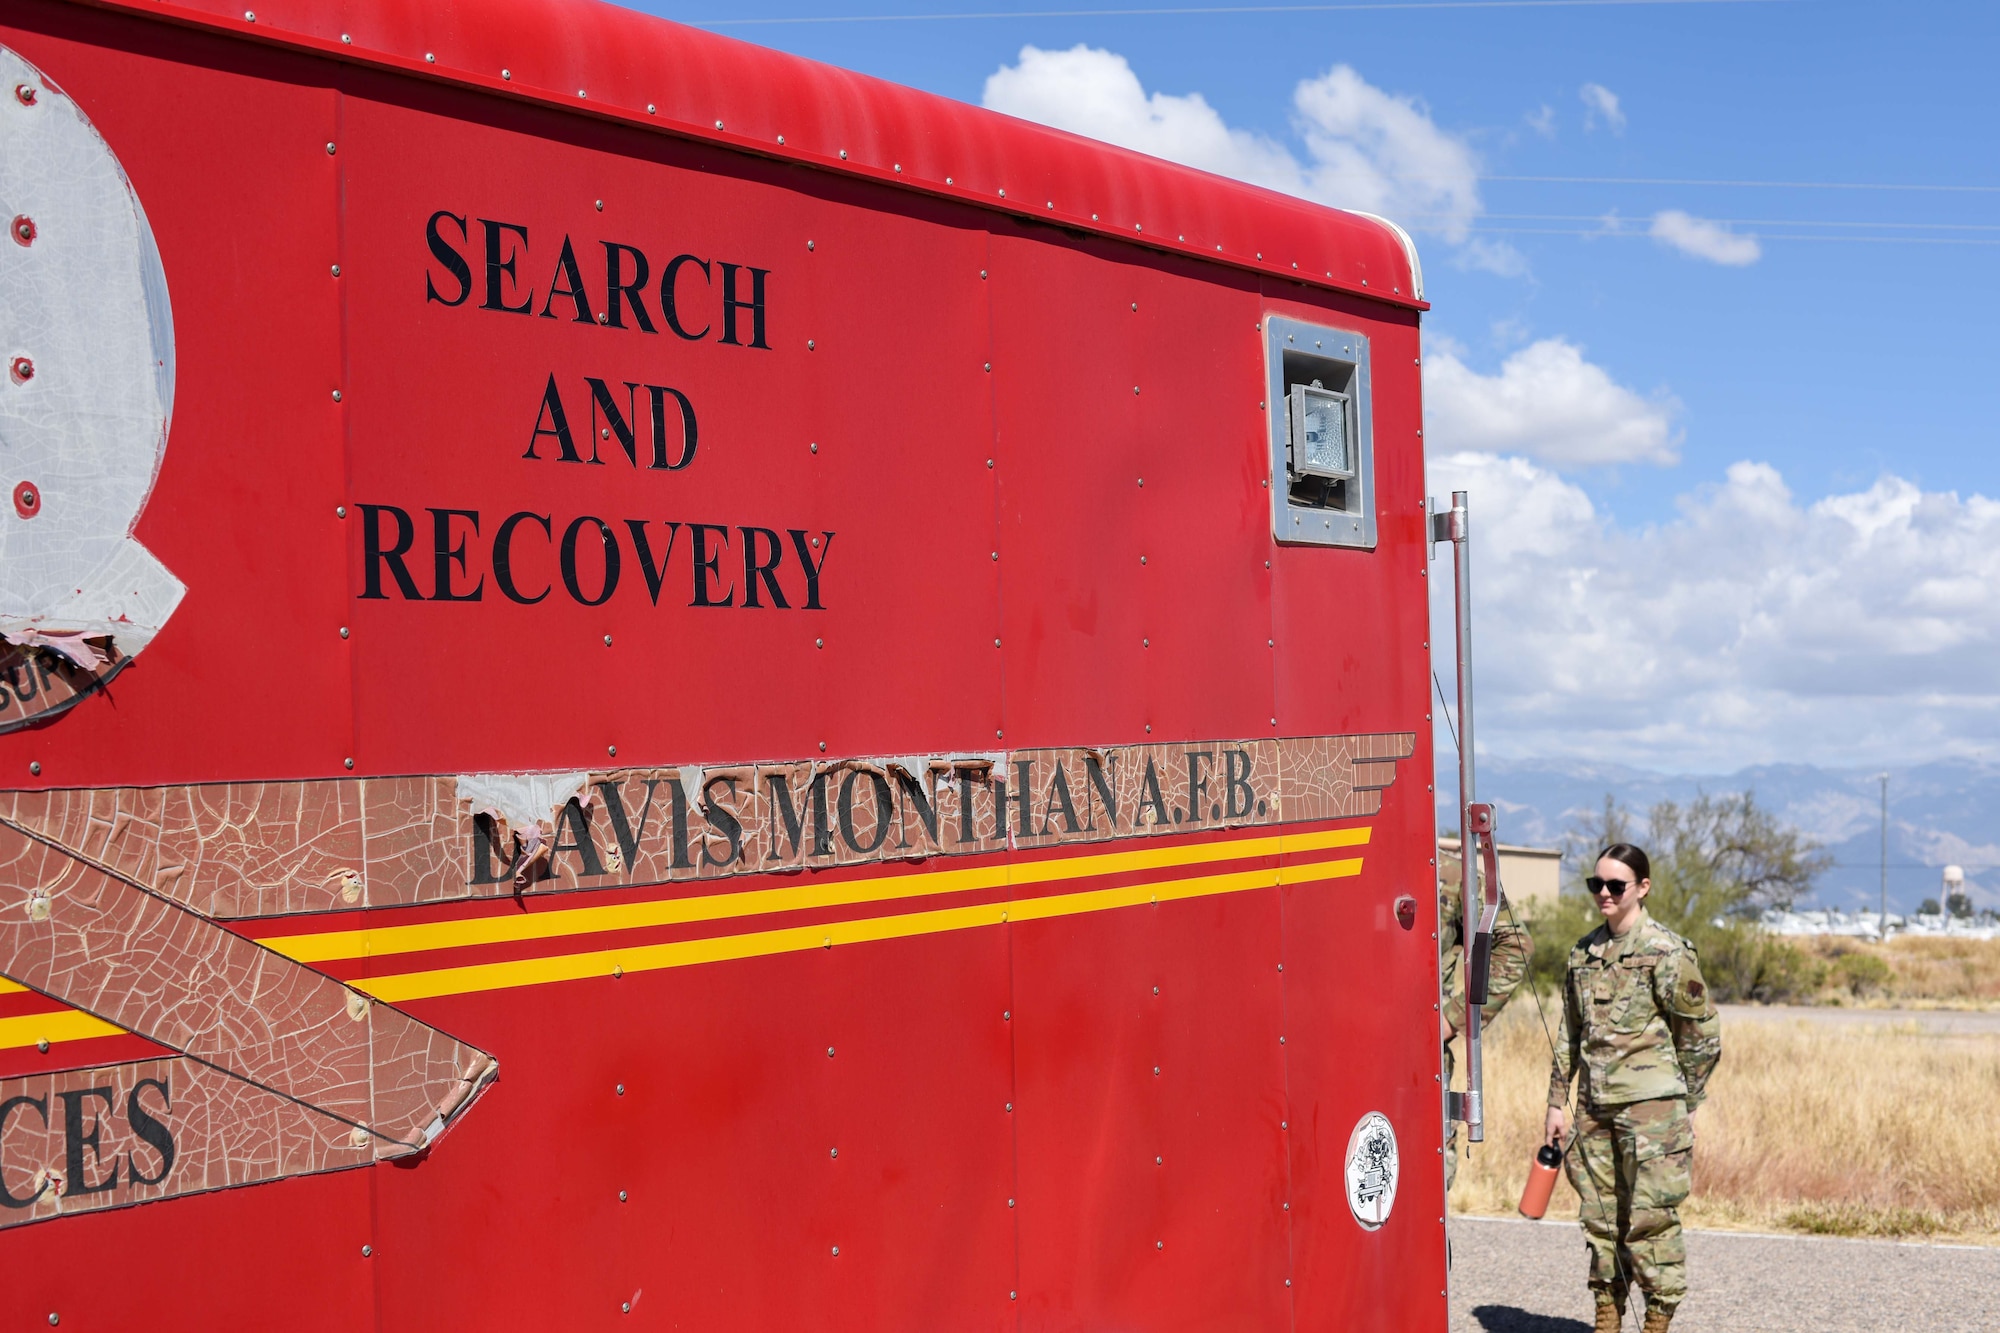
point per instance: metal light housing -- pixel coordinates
(1322, 439)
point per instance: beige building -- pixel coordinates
(1530, 875)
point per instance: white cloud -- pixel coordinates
(1495, 257)
(1381, 153)
(1749, 628)
(1366, 149)
(1546, 402)
(1600, 103)
(1542, 121)
(1704, 239)
(1094, 92)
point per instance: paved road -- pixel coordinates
(1957, 1022)
(1524, 1277)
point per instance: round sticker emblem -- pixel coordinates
(1371, 1170)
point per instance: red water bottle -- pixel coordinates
(1541, 1182)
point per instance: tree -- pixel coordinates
(1590, 834)
(1717, 861)
(1717, 855)
(1929, 907)
(1729, 853)
(1959, 904)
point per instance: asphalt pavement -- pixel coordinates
(1952, 1022)
(1512, 1276)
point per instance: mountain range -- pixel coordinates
(1941, 813)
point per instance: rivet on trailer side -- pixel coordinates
(602, 728)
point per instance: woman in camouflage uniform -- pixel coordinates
(1641, 1037)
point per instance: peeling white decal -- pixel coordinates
(524, 801)
(86, 391)
(691, 785)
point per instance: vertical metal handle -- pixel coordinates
(1475, 827)
(1480, 939)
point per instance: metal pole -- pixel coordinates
(1461, 561)
(1885, 856)
(1468, 862)
(1475, 822)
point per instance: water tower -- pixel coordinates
(1954, 886)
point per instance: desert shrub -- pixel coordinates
(1863, 974)
(1555, 928)
(1739, 961)
(1742, 963)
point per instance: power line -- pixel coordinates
(1745, 185)
(1197, 11)
(1759, 236)
(1612, 224)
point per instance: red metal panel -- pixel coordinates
(451, 428)
(1362, 1035)
(1206, 515)
(1226, 1225)
(741, 1084)
(1356, 627)
(286, 1254)
(608, 62)
(1355, 623)
(442, 426)
(242, 512)
(1088, 1121)
(1129, 465)
(1069, 457)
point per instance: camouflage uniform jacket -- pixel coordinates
(1511, 949)
(1637, 1020)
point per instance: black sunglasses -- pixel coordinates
(1615, 887)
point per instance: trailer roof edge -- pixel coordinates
(615, 64)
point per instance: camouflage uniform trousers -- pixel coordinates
(1450, 1125)
(1629, 1165)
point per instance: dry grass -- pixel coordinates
(1922, 972)
(1847, 1130)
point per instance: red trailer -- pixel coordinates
(650, 685)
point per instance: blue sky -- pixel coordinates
(1834, 607)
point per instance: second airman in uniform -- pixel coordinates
(1640, 1036)
(1511, 951)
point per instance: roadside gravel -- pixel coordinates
(1512, 1276)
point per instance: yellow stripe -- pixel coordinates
(74, 1025)
(63, 1025)
(796, 939)
(382, 941)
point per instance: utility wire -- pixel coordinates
(1444, 708)
(1742, 185)
(1757, 236)
(1200, 11)
(1614, 224)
